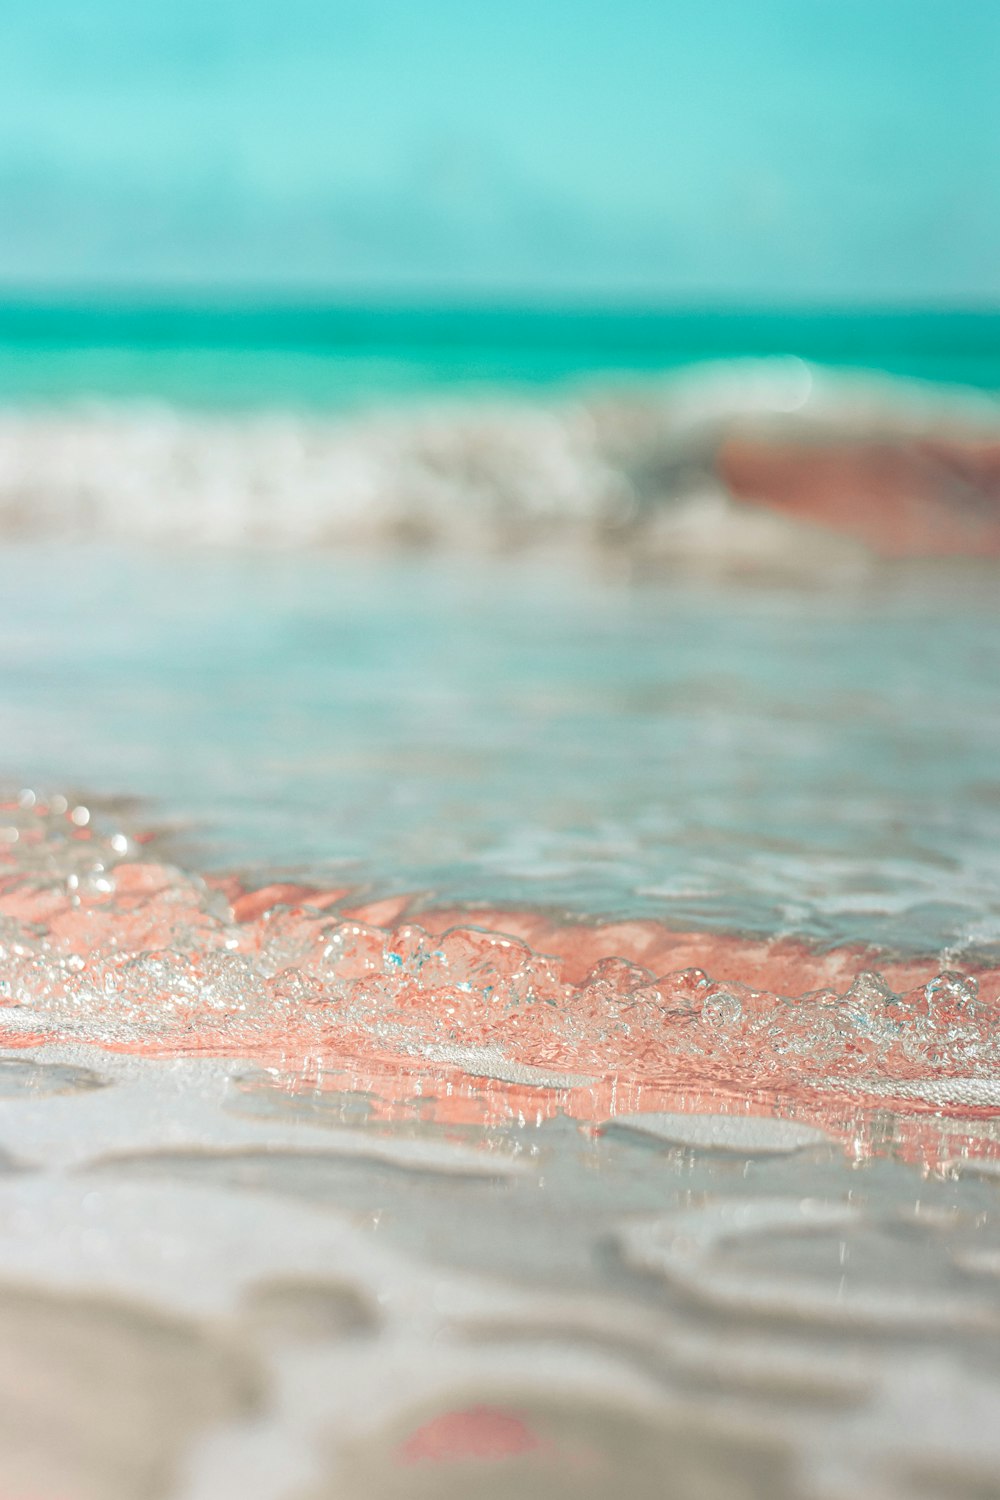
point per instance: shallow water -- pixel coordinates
(284, 1297)
(812, 762)
(492, 1025)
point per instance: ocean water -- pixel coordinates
(783, 760)
(499, 936)
(241, 353)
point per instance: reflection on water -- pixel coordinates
(410, 1306)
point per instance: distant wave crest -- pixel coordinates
(658, 473)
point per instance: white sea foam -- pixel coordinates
(626, 467)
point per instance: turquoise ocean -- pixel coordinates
(233, 352)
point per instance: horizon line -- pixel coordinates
(264, 297)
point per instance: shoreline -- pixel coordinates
(110, 949)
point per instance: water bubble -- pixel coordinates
(867, 1004)
(97, 883)
(293, 991)
(808, 1028)
(620, 977)
(721, 1010)
(951, 993)
(684, 989)
(408, 948)
(353, 949)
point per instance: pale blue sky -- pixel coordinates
(767, 150)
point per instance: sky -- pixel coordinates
(748, 151)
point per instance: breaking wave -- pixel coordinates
(660, 470)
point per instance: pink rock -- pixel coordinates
(901, 498)
(480, 1433)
